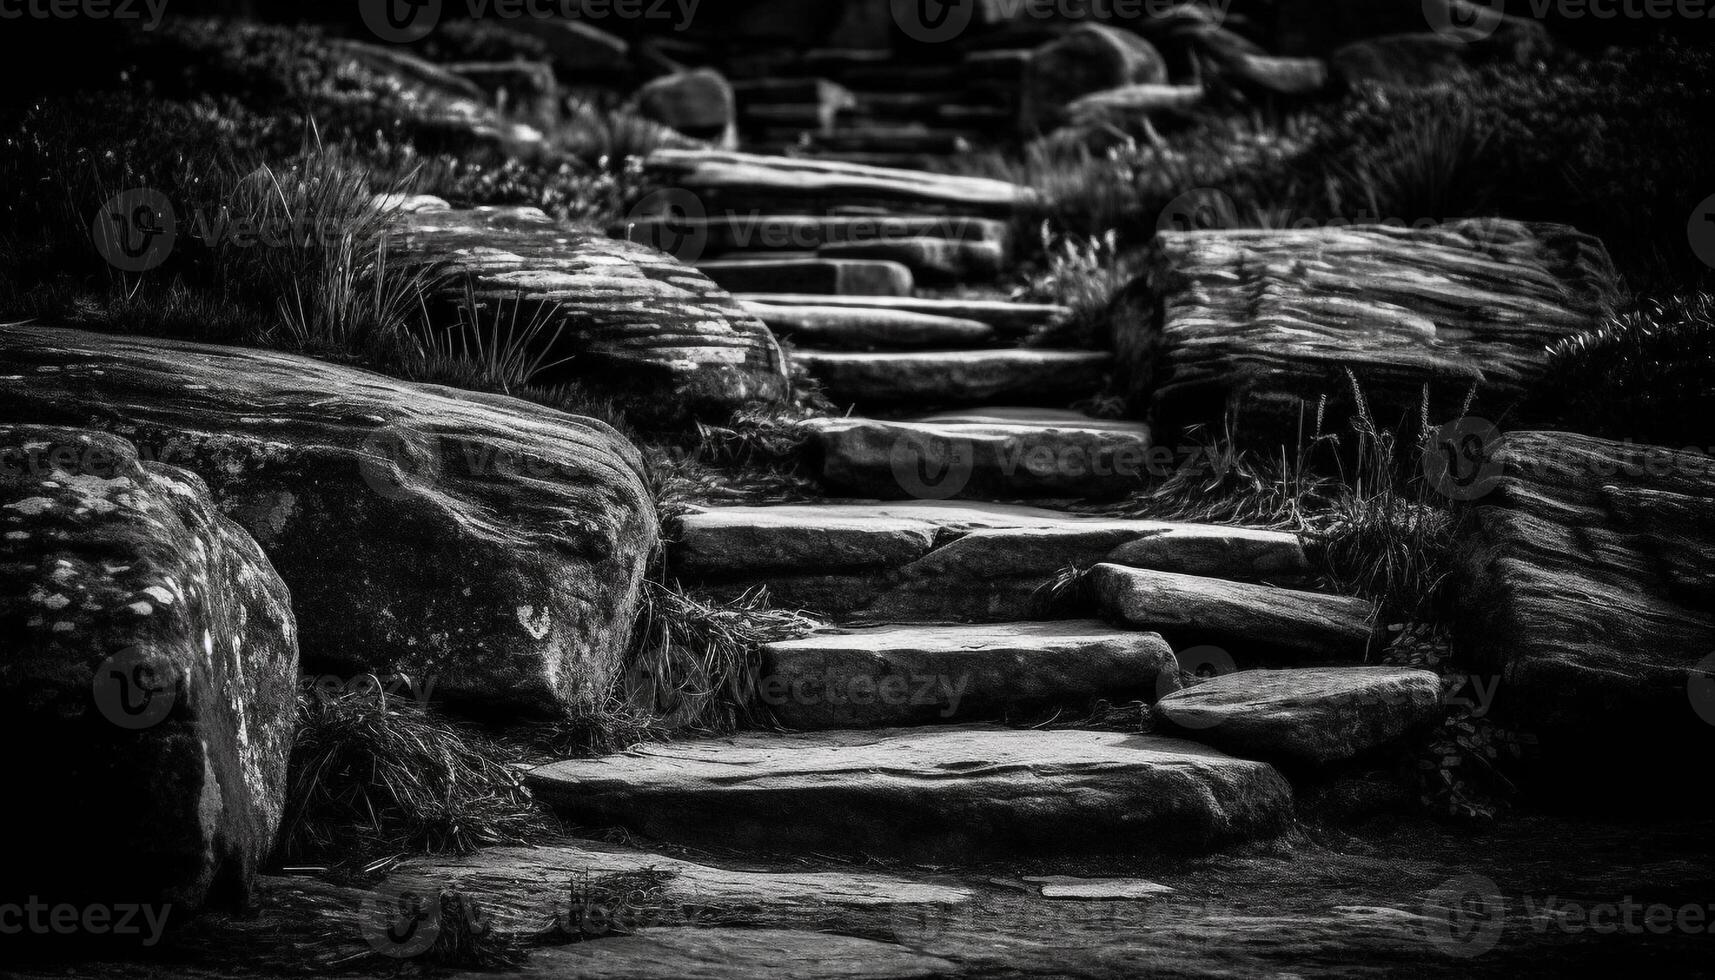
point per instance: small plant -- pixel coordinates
(501, 352)
(1083, 274)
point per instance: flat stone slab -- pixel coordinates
(922, 675)
(727, 953)
(1097, 889)
(1011, 319)
(943, 560)
(1255, 623)
(927, 794)
(807, 232)
(776, 178)
(933, 261)
(865, 328)
(1584, 581)
(836, 277)
(1025, 376)
(1307, 715)
(992, 453)
(1268, 322)
(524, 891)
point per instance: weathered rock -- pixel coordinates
(933, 261)
(1010, 319)
(1307, 716)
(933, 795)
(993, 453)
(493, 545)
(1064, 886)
(1027, 376)
(149, 678)
(738, 180)
(1264, 324)
(919, 675)
(836, 277)
(1088, 58)
(941, 561)
(1258, 624)
(856, 327)
(628, 317)
(1584, 582)
(697, 103)
(732, 954)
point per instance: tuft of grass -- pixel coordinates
(694, 658)
(499, 352)
(376, 774)
(1084, 275)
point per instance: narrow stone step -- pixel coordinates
(1025, 376)
(860, 328)
(933, 261)
(1308, 716)
(726, 953)
(1011, 319)
(773, 178)
(995, 453)
(836, 277)
(807, 232)
(943, 794)
(927, 675)
(944, 561)
(1257, 624)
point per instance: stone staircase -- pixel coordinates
(959, 617)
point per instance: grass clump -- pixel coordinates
(375, 773)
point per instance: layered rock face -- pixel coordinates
(148, 681)
(1586, 576)
(491, 544)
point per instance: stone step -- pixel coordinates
(933, 261)
(859, 328)
(806, 232)
(959, 377)
(1257, 625)
(1011, 319)
(994, 453)
(926, 675)
(816, 117)
(894, 139)
(771, 179)
(935, 795)
(836, 277)
(1309, 716)
(726, 953)
(942, 561)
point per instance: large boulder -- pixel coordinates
(1270, 327)
(1584, 580)
(697, 103)
(493, 545)
(148, 680)
(1088, 58)
(628, 318)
